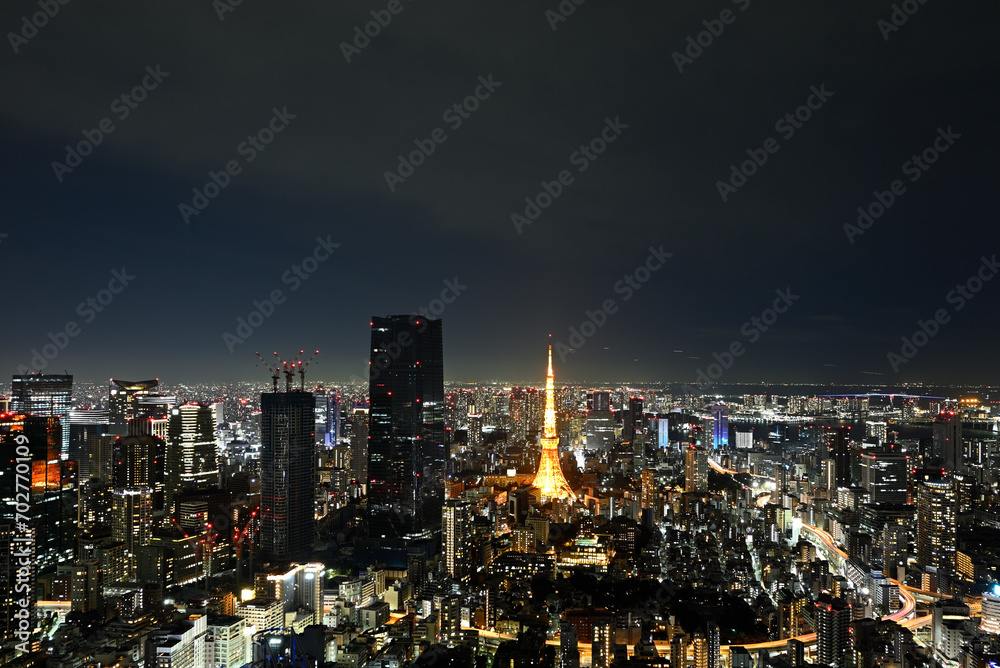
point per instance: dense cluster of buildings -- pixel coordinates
(404, 523)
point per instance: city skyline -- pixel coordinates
(282, 278)
(235, 496)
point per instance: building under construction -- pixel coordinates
(287, 464)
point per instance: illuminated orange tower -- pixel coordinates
(549, 478)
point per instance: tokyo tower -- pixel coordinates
(549, 478)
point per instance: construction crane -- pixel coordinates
(288, 367)
(302, 369)
(275, 370)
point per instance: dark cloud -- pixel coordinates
(655, 184)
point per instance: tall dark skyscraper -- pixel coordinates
(359, 444)
(632, 420)
(883, 474)
(406, 450)
(287, 466)
(52, 492)
(840, 452)
(948, 440)
(47, 395)
(599, 400)
(833, 618)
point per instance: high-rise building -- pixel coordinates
(415, 572)
(700, 650)
(451, 620)
(828, 475)
(518, 413)
(877, 430)
(740, 657)
(744, 439)
(648, 489)
(107, 552)
(100, 457)
(51, 485)
(662, 432)
(83, 425)
(713, 636)
(883, 474)
(45, 395)
(474, 429)
(936, 528)
(632, 420)
(262, 614)
(16, 588)
(225, 644)
(780, 484)
(456, 526)
(840, 452)
(708, 433)
(695, 470)
(678, 650)
(191, 455)
(123, 402)
(720, 426)
(406, 446)
(132, 523)
(949, 621)
(156, 408)
(600, 431)
(299, 588)
(287, 464)
(327, 427)
(359, 445)
(207, 513)
(86, 586)
(991, 611)
(181, 645)
(523, 539)
(599, 400)
(790, 608)
(603, 644)
(948, 440)
(569, 648)
(833, 620)
(170, 558)
(796, 650)
(895, 540)
(138, 462)
(549, 478)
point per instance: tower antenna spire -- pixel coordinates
(550, 479)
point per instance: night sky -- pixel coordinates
(679, 114)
